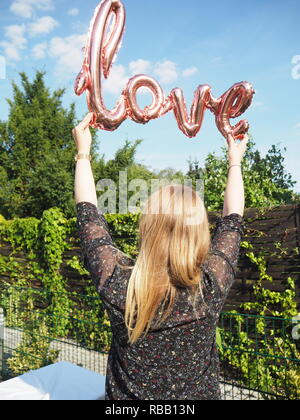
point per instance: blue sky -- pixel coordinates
(180, 44)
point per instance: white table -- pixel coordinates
(58, 382)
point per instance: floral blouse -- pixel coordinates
(178, 361)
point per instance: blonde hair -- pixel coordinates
(174, 242)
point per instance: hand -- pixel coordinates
(237, 150)
(82, 134)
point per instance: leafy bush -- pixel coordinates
(34, 351)
(257, 348)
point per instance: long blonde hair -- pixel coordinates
(174, 241)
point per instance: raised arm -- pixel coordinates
(223, 259)
(85, 190)
(234, 201)
(98, 249)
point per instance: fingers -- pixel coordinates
(244, 141)
(86, 121)
(242, 137)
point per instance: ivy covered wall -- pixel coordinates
(45, 253)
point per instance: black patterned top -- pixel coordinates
(178, 361)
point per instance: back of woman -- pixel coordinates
(164, 307)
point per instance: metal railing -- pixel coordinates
(259, 356)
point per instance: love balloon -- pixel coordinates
(104, 42)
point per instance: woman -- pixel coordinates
(164, 308)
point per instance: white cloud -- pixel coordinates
(43, 25)
(22, 9)
(117, 80)
(73, 12)
(217, 59)
(15, 34)
(26, 8)
(166, 71)
(257, 104)
(69, 55)
(11, 52)
(139, 66)
(297, 125)
(191, 71)
(260, 106)
(15, 42)
(39, 51)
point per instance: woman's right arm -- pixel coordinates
(223, 259)
(234, 201)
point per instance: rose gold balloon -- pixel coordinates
(150, 112)
(232, 104)
(99, 55)
(190, 126)
(100, 52)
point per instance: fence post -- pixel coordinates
(1, 342)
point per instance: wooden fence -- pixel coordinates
(279, 226)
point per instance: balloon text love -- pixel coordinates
(100, 52)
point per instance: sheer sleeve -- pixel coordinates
(223, 258)
(99, 251)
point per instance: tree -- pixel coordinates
(267, 183)
(123, 160)
(37, 151)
